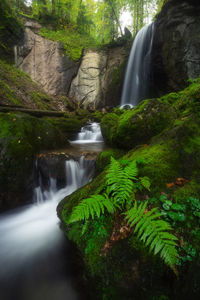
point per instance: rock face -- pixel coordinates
(86, 87)
(45, 61)
(98, 82)
(176, 46)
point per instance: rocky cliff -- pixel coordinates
(100, 77)
(95, 84)
(176, 55)
(45, 61)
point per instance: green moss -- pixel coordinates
(42, 100)
(108, 128)
(97, 116)
(21, 138)
(191, 189)
(171, 128)
(170, 98)
(104, 157)
(7, 94)
(72, 40)
(68, 125)
(160, 160)
(137, 126)
(16, 87)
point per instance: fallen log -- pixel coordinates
(34, 112)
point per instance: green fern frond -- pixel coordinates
(131, 170)
(153, 232)
(145, 182)
(120, 183)
(91, 207)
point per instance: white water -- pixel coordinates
(31, 243)
(138, 69)
(89, 134)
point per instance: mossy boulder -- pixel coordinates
(137, 126)
(104, 157)
(21, 138)
(170, 157)
(68, 125)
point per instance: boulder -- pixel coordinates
(137, 126)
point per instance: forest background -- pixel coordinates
(98, 21)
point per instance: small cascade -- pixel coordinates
(90, 133)
(33, 248)
(78, 173)
(136, 83)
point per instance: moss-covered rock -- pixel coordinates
(21, 137)
(137, 126)
(104, 157)
(17, 88)
(68, 125)
(171, 160)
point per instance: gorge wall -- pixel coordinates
(95, 84)
(100, 78)
(45, 61)
(176, 55)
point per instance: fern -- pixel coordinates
(154, 232)
(120, 184)
(145, 182)
(91, 207)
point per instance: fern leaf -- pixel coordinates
(131, 170)
(91, 207)
(153, 232)
(145, 182)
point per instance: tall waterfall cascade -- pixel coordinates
(136, 82)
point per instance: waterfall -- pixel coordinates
(136, 83)
(35, 258)
(78, 173)
(89, 134)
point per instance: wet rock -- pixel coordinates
(176, 56)
(52, 166)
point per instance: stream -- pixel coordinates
(36, 260)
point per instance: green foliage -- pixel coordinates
(122, 183)
(153, 232)
(11, 29)
(73, 41)
(91, 207)
(104, 157)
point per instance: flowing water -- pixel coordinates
(136, 82)
(89, 134)
(35, 257)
